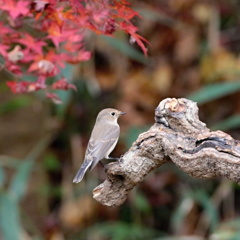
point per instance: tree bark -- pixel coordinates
(178, 136)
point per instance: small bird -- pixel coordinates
(103, 140)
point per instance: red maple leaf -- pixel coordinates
(29, 56)
(32, 43)
(18, 87)
(44, 67)
(63, 84)
(139, 39)
(15, 9)
(48, 65)
(131, 29)
(109, 26)
(38, 85)
(122, 11)
(3, 50)
(75, 4)
(14, 68)
(80, 56)
(56, 34)
(4, 29)
(63, 25)
(54, 97)
(40, 5)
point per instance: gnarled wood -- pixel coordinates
(178, 136)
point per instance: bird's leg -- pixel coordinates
(116, 159)
(112, 158)
(120, 159)
(105, 167)
(102, 164)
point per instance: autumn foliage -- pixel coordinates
(37, 38)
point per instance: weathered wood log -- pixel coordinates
(178, 136)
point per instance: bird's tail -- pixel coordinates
(80, 174)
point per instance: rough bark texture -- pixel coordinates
(178, 136)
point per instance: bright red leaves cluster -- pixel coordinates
(38, 37)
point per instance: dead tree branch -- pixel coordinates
(178, 136)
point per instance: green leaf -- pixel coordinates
(180, 213)
(39, 148)
(9, 217)
(133, 134)
(125, 49)
(202, 198)
(14, 104)
(51, 162)
(2, 176)
(141, 203)
(233, 236)
(65, 96)
(229, 123)
(19, 183)
(214, 91)
(228, 230)
(157, 16)
(122, 231)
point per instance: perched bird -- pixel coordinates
(103, 140)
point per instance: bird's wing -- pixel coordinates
(102, 142)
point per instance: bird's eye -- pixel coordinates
(113, 113)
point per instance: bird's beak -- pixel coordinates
(122, 113)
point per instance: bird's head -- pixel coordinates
(109, 114)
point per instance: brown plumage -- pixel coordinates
(103, 140)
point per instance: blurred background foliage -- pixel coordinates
(193, 53)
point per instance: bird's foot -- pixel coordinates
(120, 159)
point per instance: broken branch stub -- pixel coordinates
(178, 136)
